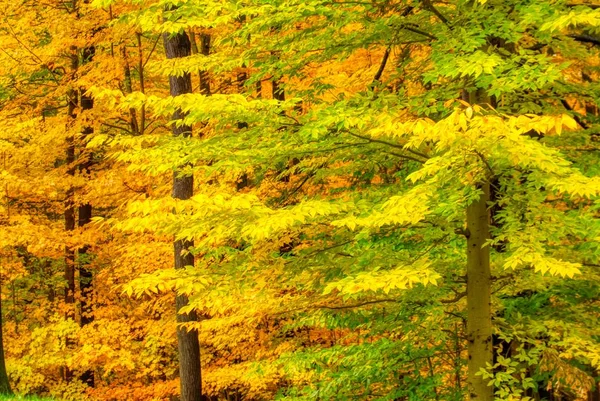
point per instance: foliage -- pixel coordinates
(20, 398)
(333, 162)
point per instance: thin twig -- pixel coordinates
(393, 145)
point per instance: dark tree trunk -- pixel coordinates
(127, 83)
(73, 100)
(278, 92)
(594, 395)
(204, 78)
(85, 217)
(204, 49)
(242, 77)
(178, 46)
(141, 64)
(4, 384)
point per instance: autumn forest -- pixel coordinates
(252, 200)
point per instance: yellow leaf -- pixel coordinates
(569, 122)
(469, 112)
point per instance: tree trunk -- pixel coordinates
(278, 92)
(479, 321)
(242, 77)
(85, 217)
(69, 297)
(133, 122)
(141, 65)
(73, 100)
(70, 226)
(594, 395)
(177, 46)
(204, 49)
(4, 384)
(204, 77)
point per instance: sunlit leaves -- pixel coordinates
(580, 16)
(167, 280)
(401, 277)
(524, 256)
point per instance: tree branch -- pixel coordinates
(420, 32)
(117, 127)
(586, 39)
(430, 7)
(386, 56)
(393, 145)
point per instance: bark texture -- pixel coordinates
(177, 46)
(479, 322)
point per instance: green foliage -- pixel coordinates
(383, 170)
(329, 228)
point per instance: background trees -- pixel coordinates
(383, 200)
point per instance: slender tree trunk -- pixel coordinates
(70, 252)
(195, 50)
(69, 214)
(204, 49)
(278, 92)
(479, 321)
(204, 78)
(141, 64)
(85, 217)
(4, 384)
(73, 100)
(178, 46)
(133, 122)
(242, 77)
(594, 395)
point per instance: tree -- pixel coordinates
(85, 212)
(36, 81)
(179, 46)
(413, 120)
